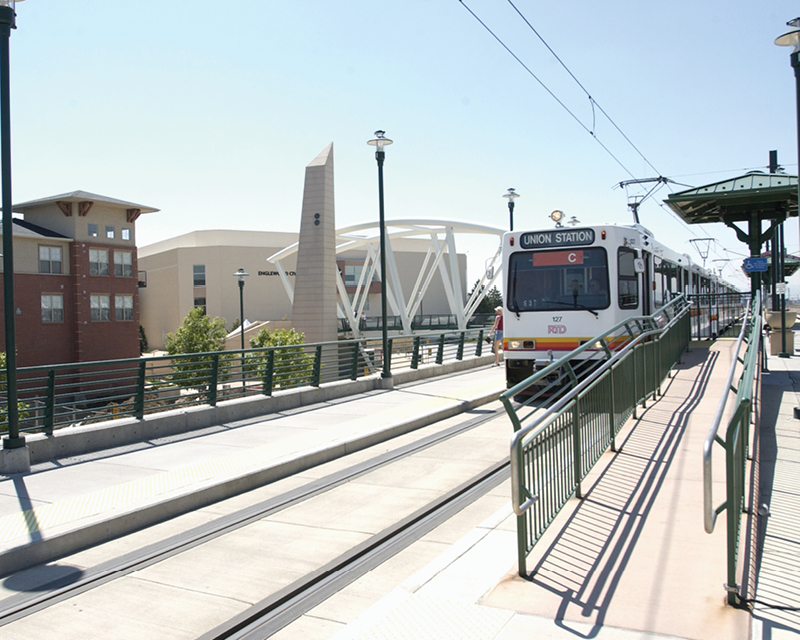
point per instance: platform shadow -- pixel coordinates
(587, 558)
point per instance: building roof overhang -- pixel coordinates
(82, 196)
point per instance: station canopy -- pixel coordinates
(752, 199)
(769, 196)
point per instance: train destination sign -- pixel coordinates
(556, 238)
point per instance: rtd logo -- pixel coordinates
(556, 328)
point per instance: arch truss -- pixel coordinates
(441, 258)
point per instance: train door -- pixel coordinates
(647, 284)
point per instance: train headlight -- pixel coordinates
(520, 345)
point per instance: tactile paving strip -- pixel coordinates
(423, 618)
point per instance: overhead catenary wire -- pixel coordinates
(546, 88)
(560, 102)
(591, 99)
(591, 131)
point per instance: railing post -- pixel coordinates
(317, 369)
(212, 381)
(269, 371)
(634, 356)
(576, 447)
(354, 363)
(415, 353)
(613, 409)
(440, 351)
(576, 435)
(138, 402)
(479, 346)
(50, 403)
(460, 352)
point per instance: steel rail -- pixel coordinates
(272, 614)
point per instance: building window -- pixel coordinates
(352, 274)
(200, 302)
(123, 308)
(49, 259)
(126, 234)
(123, 263)
(199, 275)
(109, 232)
(92, 230)
(98, 262)
(101, 304)
(52, 307)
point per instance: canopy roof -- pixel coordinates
(772, 196)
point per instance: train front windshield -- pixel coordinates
(558, 280)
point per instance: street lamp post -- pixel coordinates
(7, 22)
(242, 274)
(511, 195)
(379, 142)
(790, 39)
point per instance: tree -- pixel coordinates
(143, 346)
(491, 300)
(292, 366)
(197, 334)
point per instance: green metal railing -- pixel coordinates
(571, 411)
(714, 314)
(56, 396)
(736, 442)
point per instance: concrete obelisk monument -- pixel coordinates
(314, 306)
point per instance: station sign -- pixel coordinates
(755, 264)
(556, 238)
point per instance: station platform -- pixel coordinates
(631, 561)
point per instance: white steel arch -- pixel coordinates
(441, 254)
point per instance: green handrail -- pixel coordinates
(577, 405)
(735, 443)
(61, 395)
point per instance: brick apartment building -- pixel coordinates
(76, 292)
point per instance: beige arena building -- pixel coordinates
(197, 269)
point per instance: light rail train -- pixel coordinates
(566, 285)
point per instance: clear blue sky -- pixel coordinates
(211, 110)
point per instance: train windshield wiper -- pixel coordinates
(573, 305)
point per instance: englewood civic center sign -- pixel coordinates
(276, 273)
(556, 238)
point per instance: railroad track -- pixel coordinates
(286, 604)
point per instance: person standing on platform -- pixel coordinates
(497, 334)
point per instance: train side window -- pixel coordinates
(628, 279)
